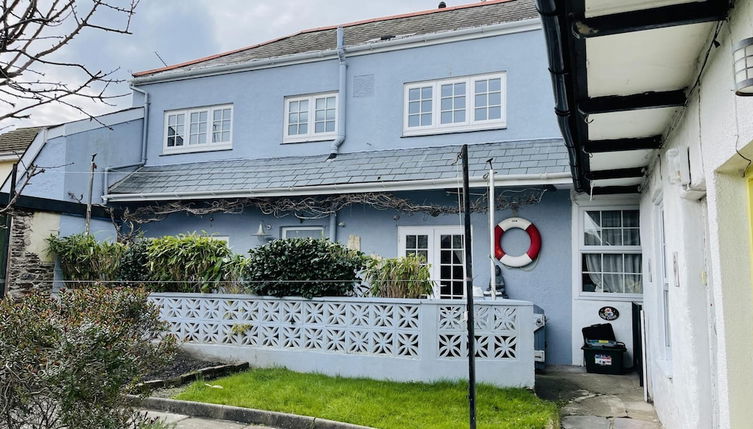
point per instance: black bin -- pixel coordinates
(601, 350)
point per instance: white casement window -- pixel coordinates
(199, 129)
(441, 247)
(610, 251)
(310, 118)
(302, 232)
(452, 105)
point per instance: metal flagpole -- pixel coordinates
(469, 292)
(492, 225)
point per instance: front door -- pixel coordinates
(442, 249)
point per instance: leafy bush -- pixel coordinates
(85, 259)
(406, 277)
(190, 262)
(66, 362)
(303, 267)
(134, 262)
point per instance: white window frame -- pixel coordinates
(580, 248)
(204, 147)
(470, 124)
(311, 135)
(434, 232)
(285, 229)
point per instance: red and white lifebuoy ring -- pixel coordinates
(533, 233)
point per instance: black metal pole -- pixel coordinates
(5, 263)
(469, 292)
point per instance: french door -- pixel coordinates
(441, 247)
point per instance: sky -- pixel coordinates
(181, 30)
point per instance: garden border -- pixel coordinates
(206, 373)
(239, 414)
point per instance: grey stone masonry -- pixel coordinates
(26, 270)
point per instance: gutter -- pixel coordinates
(144, 133)
(327, 54)
(552, 20)
(342, 94)
(557, 179)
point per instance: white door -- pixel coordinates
(442, 249)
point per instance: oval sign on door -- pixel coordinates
(609, 313)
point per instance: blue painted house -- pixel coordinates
(366, 120)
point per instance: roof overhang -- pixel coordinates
(560, 180)
(621, 71)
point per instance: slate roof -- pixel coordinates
(18, 140)
(373, 30)
(377, 167)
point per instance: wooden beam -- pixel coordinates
(617, 145)
(620, 103)
(649, 19)
(619, 173)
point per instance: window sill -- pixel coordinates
(317, 139)
(439, 131)
(182, 151)
(585, 296)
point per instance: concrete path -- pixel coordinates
(596, 401)
(179, 421)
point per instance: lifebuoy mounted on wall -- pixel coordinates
(533, 233)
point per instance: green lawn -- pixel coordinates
(379, 404)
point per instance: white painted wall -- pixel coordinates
(706, 379)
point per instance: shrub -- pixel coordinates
(83, 258)
(134, 262)
(66, 362)
(189, 262)
(406, 277)
(303, 267)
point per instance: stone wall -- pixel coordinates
(27, 269)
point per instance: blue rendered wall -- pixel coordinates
(546, 284)
(66, 160)
(373, 122)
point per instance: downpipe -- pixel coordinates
(342, 94)
(550, 18)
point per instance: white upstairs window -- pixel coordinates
(310, 118)
(199, 129)
(467, 103)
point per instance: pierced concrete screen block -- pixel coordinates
(396, 339)
(363, 85)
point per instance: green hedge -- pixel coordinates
(303, 267)
(199, 263)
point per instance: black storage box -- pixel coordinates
(601, 352)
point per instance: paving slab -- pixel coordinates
(634, 424)
(590, 400)
(196, 423)
(168, 418)
(585, 422)
(181, 421)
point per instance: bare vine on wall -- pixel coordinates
(317, 207)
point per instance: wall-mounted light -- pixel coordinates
(743, 65)
(261, 233)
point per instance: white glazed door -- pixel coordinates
(442, 249)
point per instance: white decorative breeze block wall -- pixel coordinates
(393, 339)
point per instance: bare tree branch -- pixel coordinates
(32, 32)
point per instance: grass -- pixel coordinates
(380, 404)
